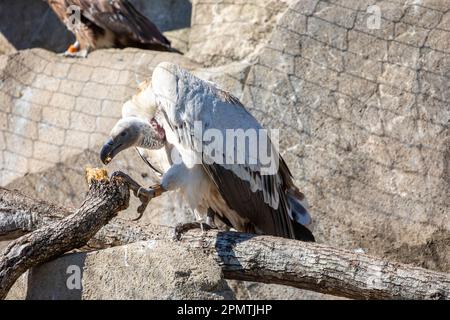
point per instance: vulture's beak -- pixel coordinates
(109, 151)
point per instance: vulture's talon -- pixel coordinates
(134, 186)
(140, 210)
(143, 194)
(185, 227)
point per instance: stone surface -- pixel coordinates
(52, 136)
(39, 26)
(365, 124)
(138, 271)
(5, 46)
(179, 39)
(364, 116)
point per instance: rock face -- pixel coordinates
(139, 271)
(223, 32)
(364, 115)
(5, 46)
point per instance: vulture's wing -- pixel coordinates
(121, 18)
(59, 7)
(260, 198)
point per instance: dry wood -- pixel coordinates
(242, 256)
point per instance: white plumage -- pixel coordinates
(178, 106)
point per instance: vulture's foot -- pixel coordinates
(78, 54)
(185, 227)
(144, 194)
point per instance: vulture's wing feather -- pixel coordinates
(120, 17)
(260, 198)
(144, 157)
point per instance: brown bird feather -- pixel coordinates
(108, 24)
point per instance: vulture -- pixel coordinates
(107, 24)
(200, 139)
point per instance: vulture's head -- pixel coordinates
(132, 132)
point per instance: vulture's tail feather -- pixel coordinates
(299, 215)
(298, 209)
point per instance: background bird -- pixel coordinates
(107, 24)
(239, 194)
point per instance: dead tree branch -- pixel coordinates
(104, 200)
(242, 256)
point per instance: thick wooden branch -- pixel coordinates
(20, 214)
(275, 260)
(104, 200)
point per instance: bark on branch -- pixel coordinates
(242, 256)
(102, 203)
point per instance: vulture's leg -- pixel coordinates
(72, 49)
(191, 183)
(144, 194)
(209, 224)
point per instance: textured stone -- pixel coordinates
(361, 151)
(5, 46)
(59, 108)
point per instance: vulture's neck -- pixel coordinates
(150, 138)
(147, 136)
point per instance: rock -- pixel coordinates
(363, 113)
(5, 46)
(179, 39)
(141, 270)
(245, 290)
(364, 118)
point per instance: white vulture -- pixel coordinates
(192, 129)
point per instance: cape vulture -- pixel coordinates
(107, 24)
(189, 130)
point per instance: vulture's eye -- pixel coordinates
(123, 134)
